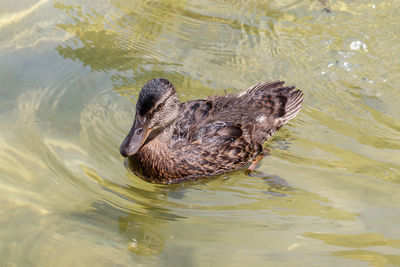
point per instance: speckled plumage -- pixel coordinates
(205, 137)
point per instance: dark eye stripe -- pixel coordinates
(158, 108)
(146, 103)
(163, 103)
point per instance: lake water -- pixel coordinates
(70, 73)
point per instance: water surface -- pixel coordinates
(70, 72)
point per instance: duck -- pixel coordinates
(172, 142)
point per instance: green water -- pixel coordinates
(70, 72)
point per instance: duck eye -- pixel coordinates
(158, 108)
(139, 131)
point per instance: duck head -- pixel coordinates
(156, 108)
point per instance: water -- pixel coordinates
(70, 72)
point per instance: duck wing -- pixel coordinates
(252, 115)
(202, 121)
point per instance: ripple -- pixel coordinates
(71, 79)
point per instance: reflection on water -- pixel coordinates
(368, 240)
(71, 72)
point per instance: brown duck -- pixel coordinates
(172, 142)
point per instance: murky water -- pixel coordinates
(70, 72)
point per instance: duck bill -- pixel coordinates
(135, 139)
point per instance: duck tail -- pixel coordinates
(291, 99)
(285, 100)
(293, 103)
(267, 86)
